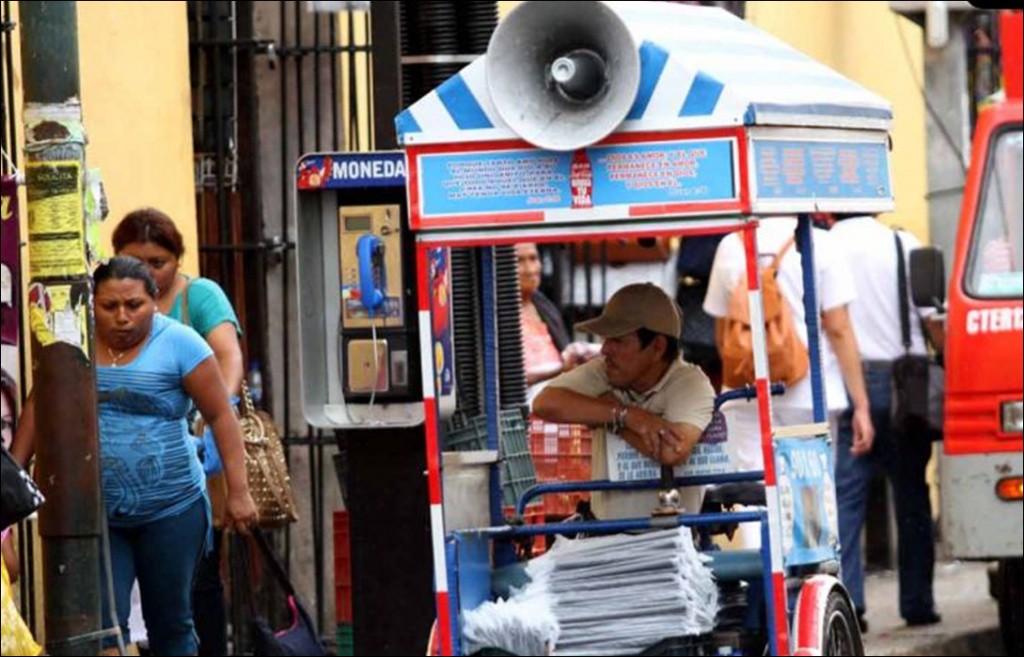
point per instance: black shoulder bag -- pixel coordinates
(299, 639)
(918, 382)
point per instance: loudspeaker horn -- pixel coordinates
(563, 75)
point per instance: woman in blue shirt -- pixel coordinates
(150, 370)
(151, 236)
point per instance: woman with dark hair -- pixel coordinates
(151, 236)
(547, 347)
(15, 636)
(8, 417)
(150, 370)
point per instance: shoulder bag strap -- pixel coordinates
(790, 243)
(904, 296)
(185, 318)
(272, 561)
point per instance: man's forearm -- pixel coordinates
(567, 407)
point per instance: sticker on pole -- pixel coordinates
(56, 221)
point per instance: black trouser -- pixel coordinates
(903, 456)
(208, 605)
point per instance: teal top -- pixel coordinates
(208, 307)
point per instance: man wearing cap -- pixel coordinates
(639, 388)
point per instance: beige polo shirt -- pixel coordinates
(683, 396)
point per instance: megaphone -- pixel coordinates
(563, 75)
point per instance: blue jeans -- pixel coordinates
(903, 458)
(208, 603)
(163, 556)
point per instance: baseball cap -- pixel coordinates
(643, 305)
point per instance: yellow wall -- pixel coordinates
(138, 109)
(861, 40)
(136, 101)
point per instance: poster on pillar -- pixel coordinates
(10, 241)
(56, 223)
(441, 325)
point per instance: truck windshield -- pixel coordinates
(995, 269)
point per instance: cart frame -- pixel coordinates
(807, 610)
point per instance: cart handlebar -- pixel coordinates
(625, 525)
(747, 393)
(647, 484)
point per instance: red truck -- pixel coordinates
(983, 454)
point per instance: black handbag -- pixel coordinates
(918, 381)
(301, 637)
(19, 495)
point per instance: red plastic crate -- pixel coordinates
(561, 452)
(342, 568)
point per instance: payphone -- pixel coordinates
(372, 272)
(359, 326)
(359, 320)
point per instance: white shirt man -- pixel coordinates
(903, 455)
(840, 359)
(876, 311)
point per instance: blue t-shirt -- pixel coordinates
(208, 307)
(149, 463)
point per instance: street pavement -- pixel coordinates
(970, 618)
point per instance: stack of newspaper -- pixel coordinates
(615, 595)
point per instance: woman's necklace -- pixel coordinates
(116, 358)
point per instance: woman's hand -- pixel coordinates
(206, 387)
(241, 512)
(579, 353)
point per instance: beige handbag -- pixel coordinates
(265, 465)
(269, 483)
(266, 471)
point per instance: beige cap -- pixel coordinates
(634, 307)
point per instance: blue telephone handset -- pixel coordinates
(373, 280)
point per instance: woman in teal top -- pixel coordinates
(151, 236)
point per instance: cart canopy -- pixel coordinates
(701, 68)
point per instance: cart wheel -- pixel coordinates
(841, 631)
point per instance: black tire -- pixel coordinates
(1011, 619)
(841, 633)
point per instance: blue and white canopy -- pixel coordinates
(700, 68)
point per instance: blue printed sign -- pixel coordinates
(485, 183)
(808, 170)
(351, 170)
(663, 173)
(517, 181)
(807, 496)
(711, 456)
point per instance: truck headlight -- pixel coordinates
(1013, 417)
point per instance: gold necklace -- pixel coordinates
(116, 358)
